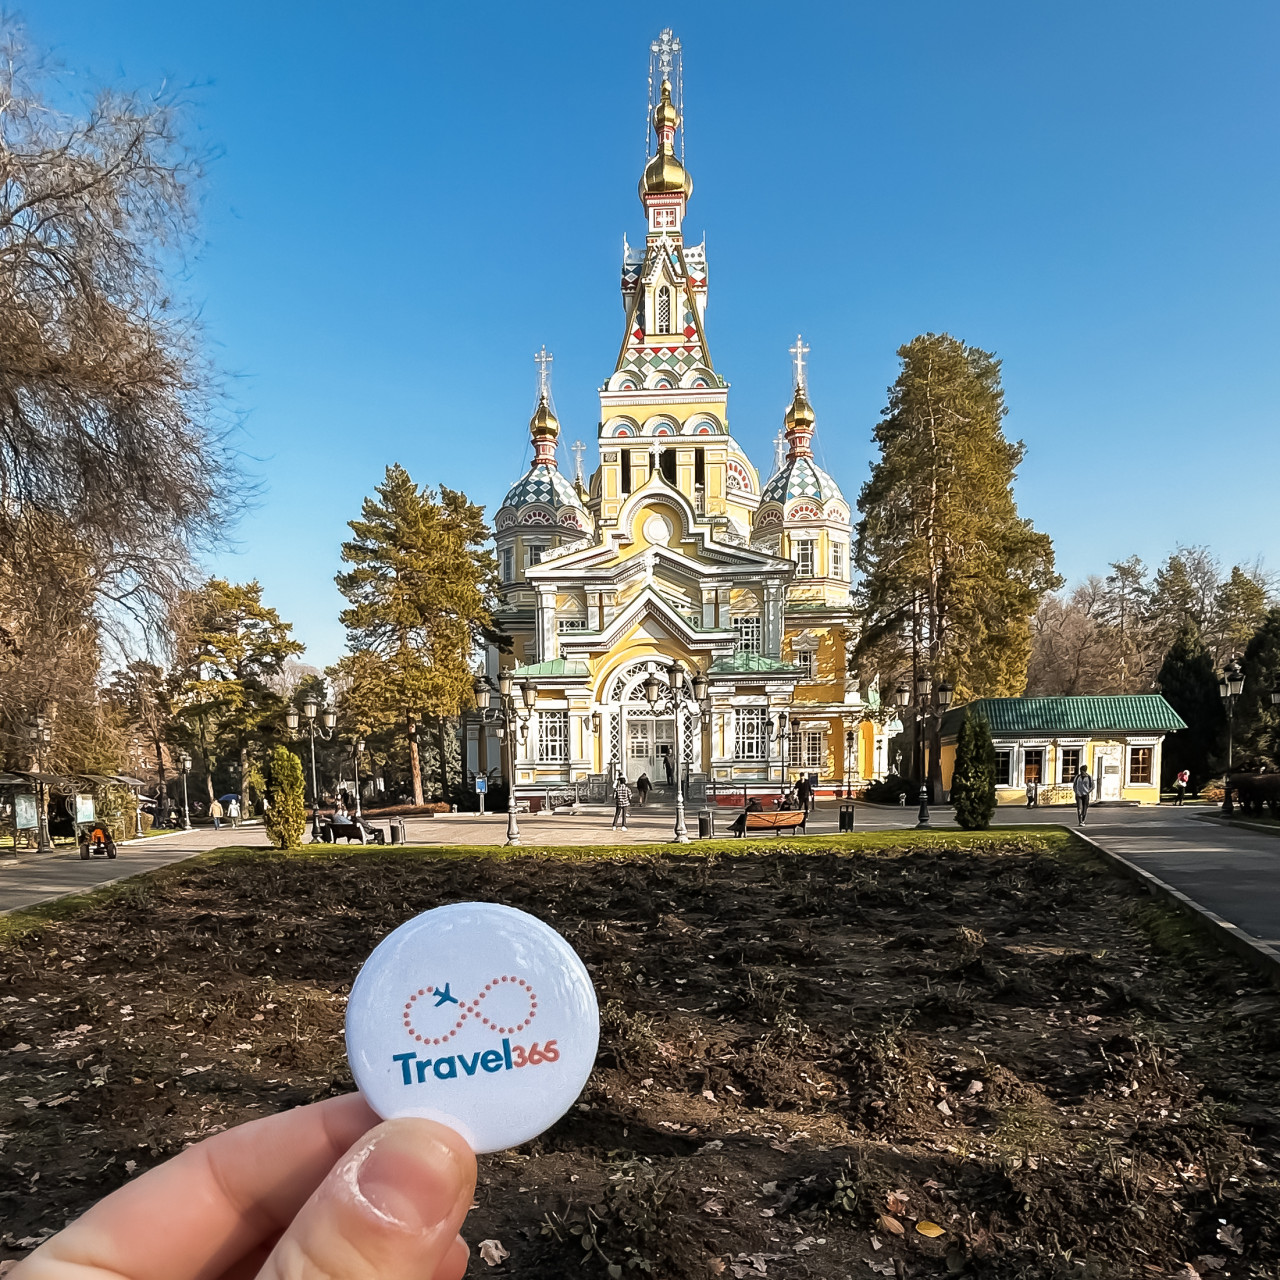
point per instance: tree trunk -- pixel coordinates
(415, 763)
(244, 779)
(444, 759)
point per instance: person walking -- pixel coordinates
(621, 803)
(804, 793)
(668, 765)
(1033, 793)
(1083, 788)
(1180, 785)
(643, 787)
(215, 812)
(233, 811)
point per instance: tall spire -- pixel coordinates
(800, 416)
(544, 426)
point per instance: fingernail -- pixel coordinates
(409, 1177)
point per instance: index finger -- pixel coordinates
(194, 1216)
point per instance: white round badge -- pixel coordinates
(476, 1015)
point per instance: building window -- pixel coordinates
(508, 565)
(837, 559)
(749, 734)
(553, 736)
(1140, 759)
(748, 629)
(1004, 768)
(626, 471)
(1033, 765)
(806, 749)
(1070, 763)
(533, 555)
(805, 556)
(572, 624)
(805, 661)
(664, 310)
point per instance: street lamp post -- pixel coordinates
(671, 700)
(184, 763)
(513, 718)
(780, 731)
(328, 719)
(926, 707)
(1230, 687)
(850, 745)
(41, 735)
(359, 747)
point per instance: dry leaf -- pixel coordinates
(892, 1225)
(975, 1086)
(942, 1106)
(493, 1252)
(716, 1266)
(1231, 1237)
(1211, 1262)
(712, 1206)
(930, 1229)
(1186, 1272)
(897, 1201)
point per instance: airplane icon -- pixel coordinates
(445, 997)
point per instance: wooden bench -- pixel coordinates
(790, 819)
(334, 831)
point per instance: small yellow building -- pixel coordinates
(1047, 741)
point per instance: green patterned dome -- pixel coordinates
(800, 478)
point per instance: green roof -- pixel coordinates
(1118, 713)
(749, 664)
(553, 667)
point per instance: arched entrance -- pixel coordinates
(640, 741)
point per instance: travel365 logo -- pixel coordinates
(505, 1006)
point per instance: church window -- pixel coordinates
(508, 564)
(664, 310)
(748, 628)
(667, 464)
(553, 736)
(837, 559)
(533, 555)
(806, 749)
(626, 471)
(749, 739)
(664, 217)
(572, 624)
(805, 661)
(805, 556)
(700, 467)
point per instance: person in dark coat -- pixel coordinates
(643, 787)
(804, 793)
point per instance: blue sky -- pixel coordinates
(406, 200)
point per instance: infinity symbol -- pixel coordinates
(471, 1009)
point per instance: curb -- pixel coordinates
(1265, 959)
(1238, 822)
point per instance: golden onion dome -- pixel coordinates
(544, 423)
(800, 414)
(664, 173)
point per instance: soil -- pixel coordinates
(899, 1059)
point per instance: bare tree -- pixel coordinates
(114, 464)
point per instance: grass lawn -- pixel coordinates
(810, 1050)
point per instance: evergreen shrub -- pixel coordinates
(286, 814)
(886, 790)
(973, 781)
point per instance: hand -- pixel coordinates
(323, 1190)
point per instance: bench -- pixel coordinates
(334, 831)
(790, 819)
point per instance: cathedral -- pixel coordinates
(674, 551)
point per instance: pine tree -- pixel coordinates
(420, 592)
(973, 780)
(1125, 609)
(285, 816)
(1239, 609)
(231, 650)
(951, 573)
(1189, 684)
(1257, 719)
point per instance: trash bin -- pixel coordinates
(704, 825)
(846, 817)
(395, 829)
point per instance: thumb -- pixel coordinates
(390, 1209)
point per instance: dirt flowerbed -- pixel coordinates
(899, 1058)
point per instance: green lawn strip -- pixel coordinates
(1052, 840)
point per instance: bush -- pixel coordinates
(286, 813)
(973, 780)
(887, 790)
(117, 807)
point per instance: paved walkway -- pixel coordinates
(1232, 871)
